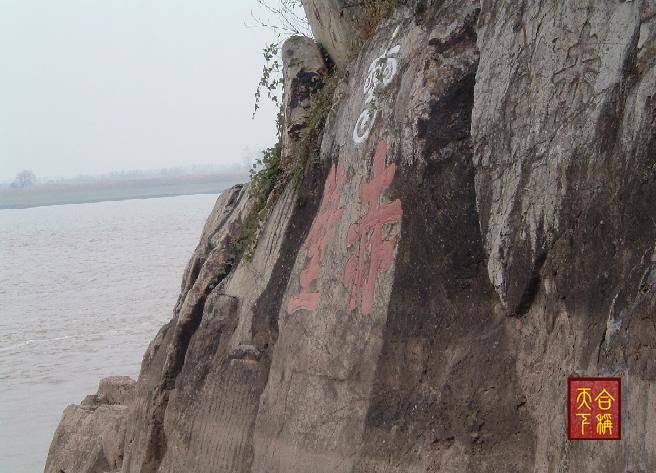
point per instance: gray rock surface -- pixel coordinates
(480, 227)
(90, 437)
(565, 152)
(337, 26)
(116, 390)
(304, 71)
(166, 357)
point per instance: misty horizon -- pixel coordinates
(91, 89)
(189, 169)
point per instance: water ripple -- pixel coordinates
(83, 289)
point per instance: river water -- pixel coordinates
(83, 289)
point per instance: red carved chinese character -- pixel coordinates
(594, 409)
(375, 255)
(320, 235)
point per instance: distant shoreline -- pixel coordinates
(96, 201)
(49, 195)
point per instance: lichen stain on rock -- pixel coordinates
(304, 84)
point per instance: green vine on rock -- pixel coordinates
(271, 78)
(270, 172)
(284, 18)
(265, 177)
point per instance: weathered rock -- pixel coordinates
(565, 154)
(574, 100)
(90, 437)
(116, 390)
(480, 227)
(211, 263)
(338, 25)
(304, 71)
(88, 440)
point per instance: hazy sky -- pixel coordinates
(92, 86)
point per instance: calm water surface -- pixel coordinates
(83, 289)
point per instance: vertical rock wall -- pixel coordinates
(565, 155)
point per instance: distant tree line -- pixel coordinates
(25, 178)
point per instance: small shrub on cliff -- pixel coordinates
(269, 174)
(265, 176)
(307, 150)
(271, 78)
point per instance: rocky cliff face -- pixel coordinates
(479, 227)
